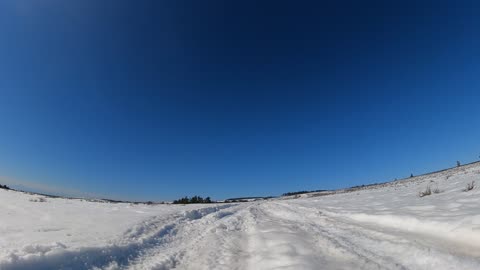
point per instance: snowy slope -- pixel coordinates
(380, 227)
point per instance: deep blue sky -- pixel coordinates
(154, 100)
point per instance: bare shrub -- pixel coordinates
(469, 186)
(435, 188)
(426, 192)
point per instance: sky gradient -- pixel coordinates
(161, 99)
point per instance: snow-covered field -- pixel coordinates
(380, 227)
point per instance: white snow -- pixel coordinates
(380, 227)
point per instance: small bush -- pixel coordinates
(426, 192)
(4, 187)
(469, 186)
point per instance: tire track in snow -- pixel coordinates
(212, 242)
(378, 247)
(276, 242)
(226, 246)
(335, 247)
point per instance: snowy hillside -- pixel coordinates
(380, 227)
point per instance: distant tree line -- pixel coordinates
(367, 185)
(246, 199)
(194, 199)
(301, 192)
(235, 200)
(4, 187)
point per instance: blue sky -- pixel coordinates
(162, 99)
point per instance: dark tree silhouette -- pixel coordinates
(194, 199)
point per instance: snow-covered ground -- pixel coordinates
(379, 227)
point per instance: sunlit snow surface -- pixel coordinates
(380, 227)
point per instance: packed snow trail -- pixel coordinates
(279, 235)
(341, 243)
(381, 227)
